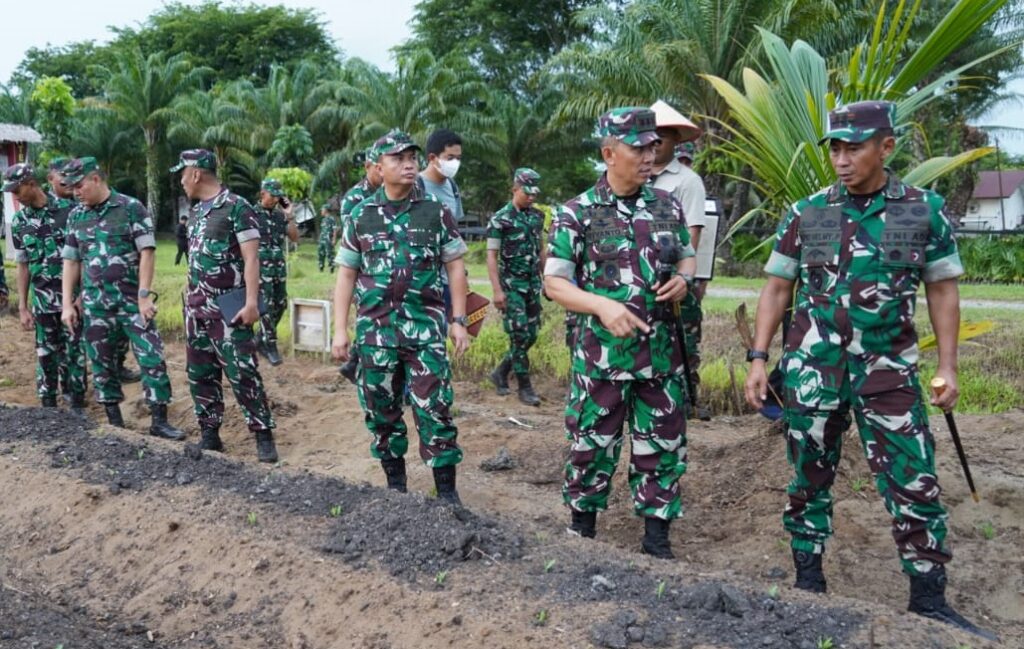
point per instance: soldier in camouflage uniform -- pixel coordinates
(275, 220)
(858, 251)
(61, 192)
(329, 223)
(38, 237)
(223, 256)
(111, 235)
(514, 233)
(354, 196)
(392, 249)
(678, 179)
(626, 246)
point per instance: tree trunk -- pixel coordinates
(961, 185)
(152, 177)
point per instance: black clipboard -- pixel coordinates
(231, 303)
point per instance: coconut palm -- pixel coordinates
(776, 122)
(210, 120)
(142, 91)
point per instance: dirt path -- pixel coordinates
(108, 536)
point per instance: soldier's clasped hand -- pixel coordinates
(674, 289)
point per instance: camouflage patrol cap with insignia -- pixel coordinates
(17, 174)
(630, 125)
(527, 179)
(273, 187)
(685, 150)
(199, 158)
(393, 143)
(371, 154)
(76, 170)
(859, 121)
(56, 164)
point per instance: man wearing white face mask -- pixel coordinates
(444, 155)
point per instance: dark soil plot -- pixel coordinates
(420, 540)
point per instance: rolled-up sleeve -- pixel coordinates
(784, 261)
(564, 244)
(349, 254)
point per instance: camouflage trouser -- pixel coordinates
(901, 454)
(383, 374)
(323, 254)
(692, 317)
(61, 357)
(104, 331)
(521, 322)
(212, 349)
(570, 329)
(275, 294)
(594, 415)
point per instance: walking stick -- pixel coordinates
(938, 387)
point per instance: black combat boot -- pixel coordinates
(350, 368)
(78, 404)
(394, 469)
(129, 375)
(273, 356)
(48, 402)
(526, 393)
(444, 481)
(583, 524)
(210, 440)
(928, 599)
(114, 417)
(809, 576)
(499, 377)
(160, 427)
(655, 541)
(266, 451)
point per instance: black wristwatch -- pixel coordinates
(753, 354)
(461, 320)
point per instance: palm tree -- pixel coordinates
(776, 123)
(142, 92)
(210, 120)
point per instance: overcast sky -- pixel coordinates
(364, 28)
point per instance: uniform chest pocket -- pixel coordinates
(116, 227)
(377, 254)
(606, 240)
(820, 235)
(901, 250)
(217, 227)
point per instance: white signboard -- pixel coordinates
(311, 325)
(708, 239)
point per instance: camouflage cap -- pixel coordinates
(15, 175)
(685, 150)
(332, 206)
(632, 125)
(76, 170)
(56, 164)
(393, 143)
(200, 158)
(371, 155)
(272, 186)
(528, 179)
(858, 122)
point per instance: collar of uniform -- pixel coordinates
(102, 208)
(51, 205)
(603, 194)
(894, 189)
(380, 196)
(672, 168)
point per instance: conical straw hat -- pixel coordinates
(667, 117)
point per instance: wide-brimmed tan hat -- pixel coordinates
(667, 117)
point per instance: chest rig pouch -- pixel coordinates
(821, 230)
(424, 224)
(901, 250)
(664, 228)
(602, 241)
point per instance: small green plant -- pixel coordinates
(826, 643)
(782, 544)
(440, 577)
(548, 565)
(542, 537)
(660, 590)
(433, 492)
(859, 484)
(335, 511)
(773, 592)
(541, 618)
(252, 519)
(142, 453)
(988, 530)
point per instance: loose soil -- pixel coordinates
(113, 539)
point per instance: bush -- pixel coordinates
(993, 258)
